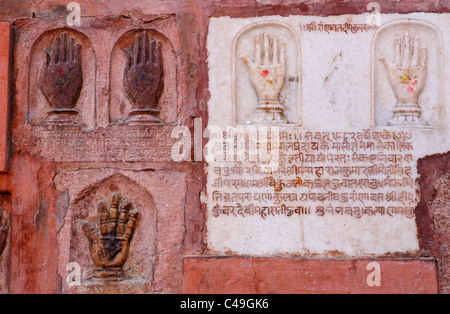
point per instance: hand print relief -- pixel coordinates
(110, 239)
(407, 76)
(144, 78)
(267, 74)
(64, 80)
(61, 80)
(116, 232)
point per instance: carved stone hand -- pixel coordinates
(4, 227)
(143, 77)
(407, 77)
(109, 241)
(267, 74)
(62, 78)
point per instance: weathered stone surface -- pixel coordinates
(5, 226)
(33, 227)
(241, 275)
(155, 251)
(433, 213)
(70, 165)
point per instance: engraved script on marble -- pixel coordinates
(322, 173)
(323, 179)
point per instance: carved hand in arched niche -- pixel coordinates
(110, 239)
(61, 80)
(268, 72)
(144, 75)
(407, 76)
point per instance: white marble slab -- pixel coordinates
(337, 84)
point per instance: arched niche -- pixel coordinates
(38, 106)
(120, 105)
(243, 93)
(140, 264)
(432, 98)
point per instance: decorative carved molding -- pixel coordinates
(61, 80)
(144, 78)
(110, 239)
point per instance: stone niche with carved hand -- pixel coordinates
(124, 239)
(62, 78)
(110, 239)
(267, 74)
(407, 77)
(144, 78)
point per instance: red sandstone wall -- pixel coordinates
(38, 209)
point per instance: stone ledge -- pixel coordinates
(251, 275)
